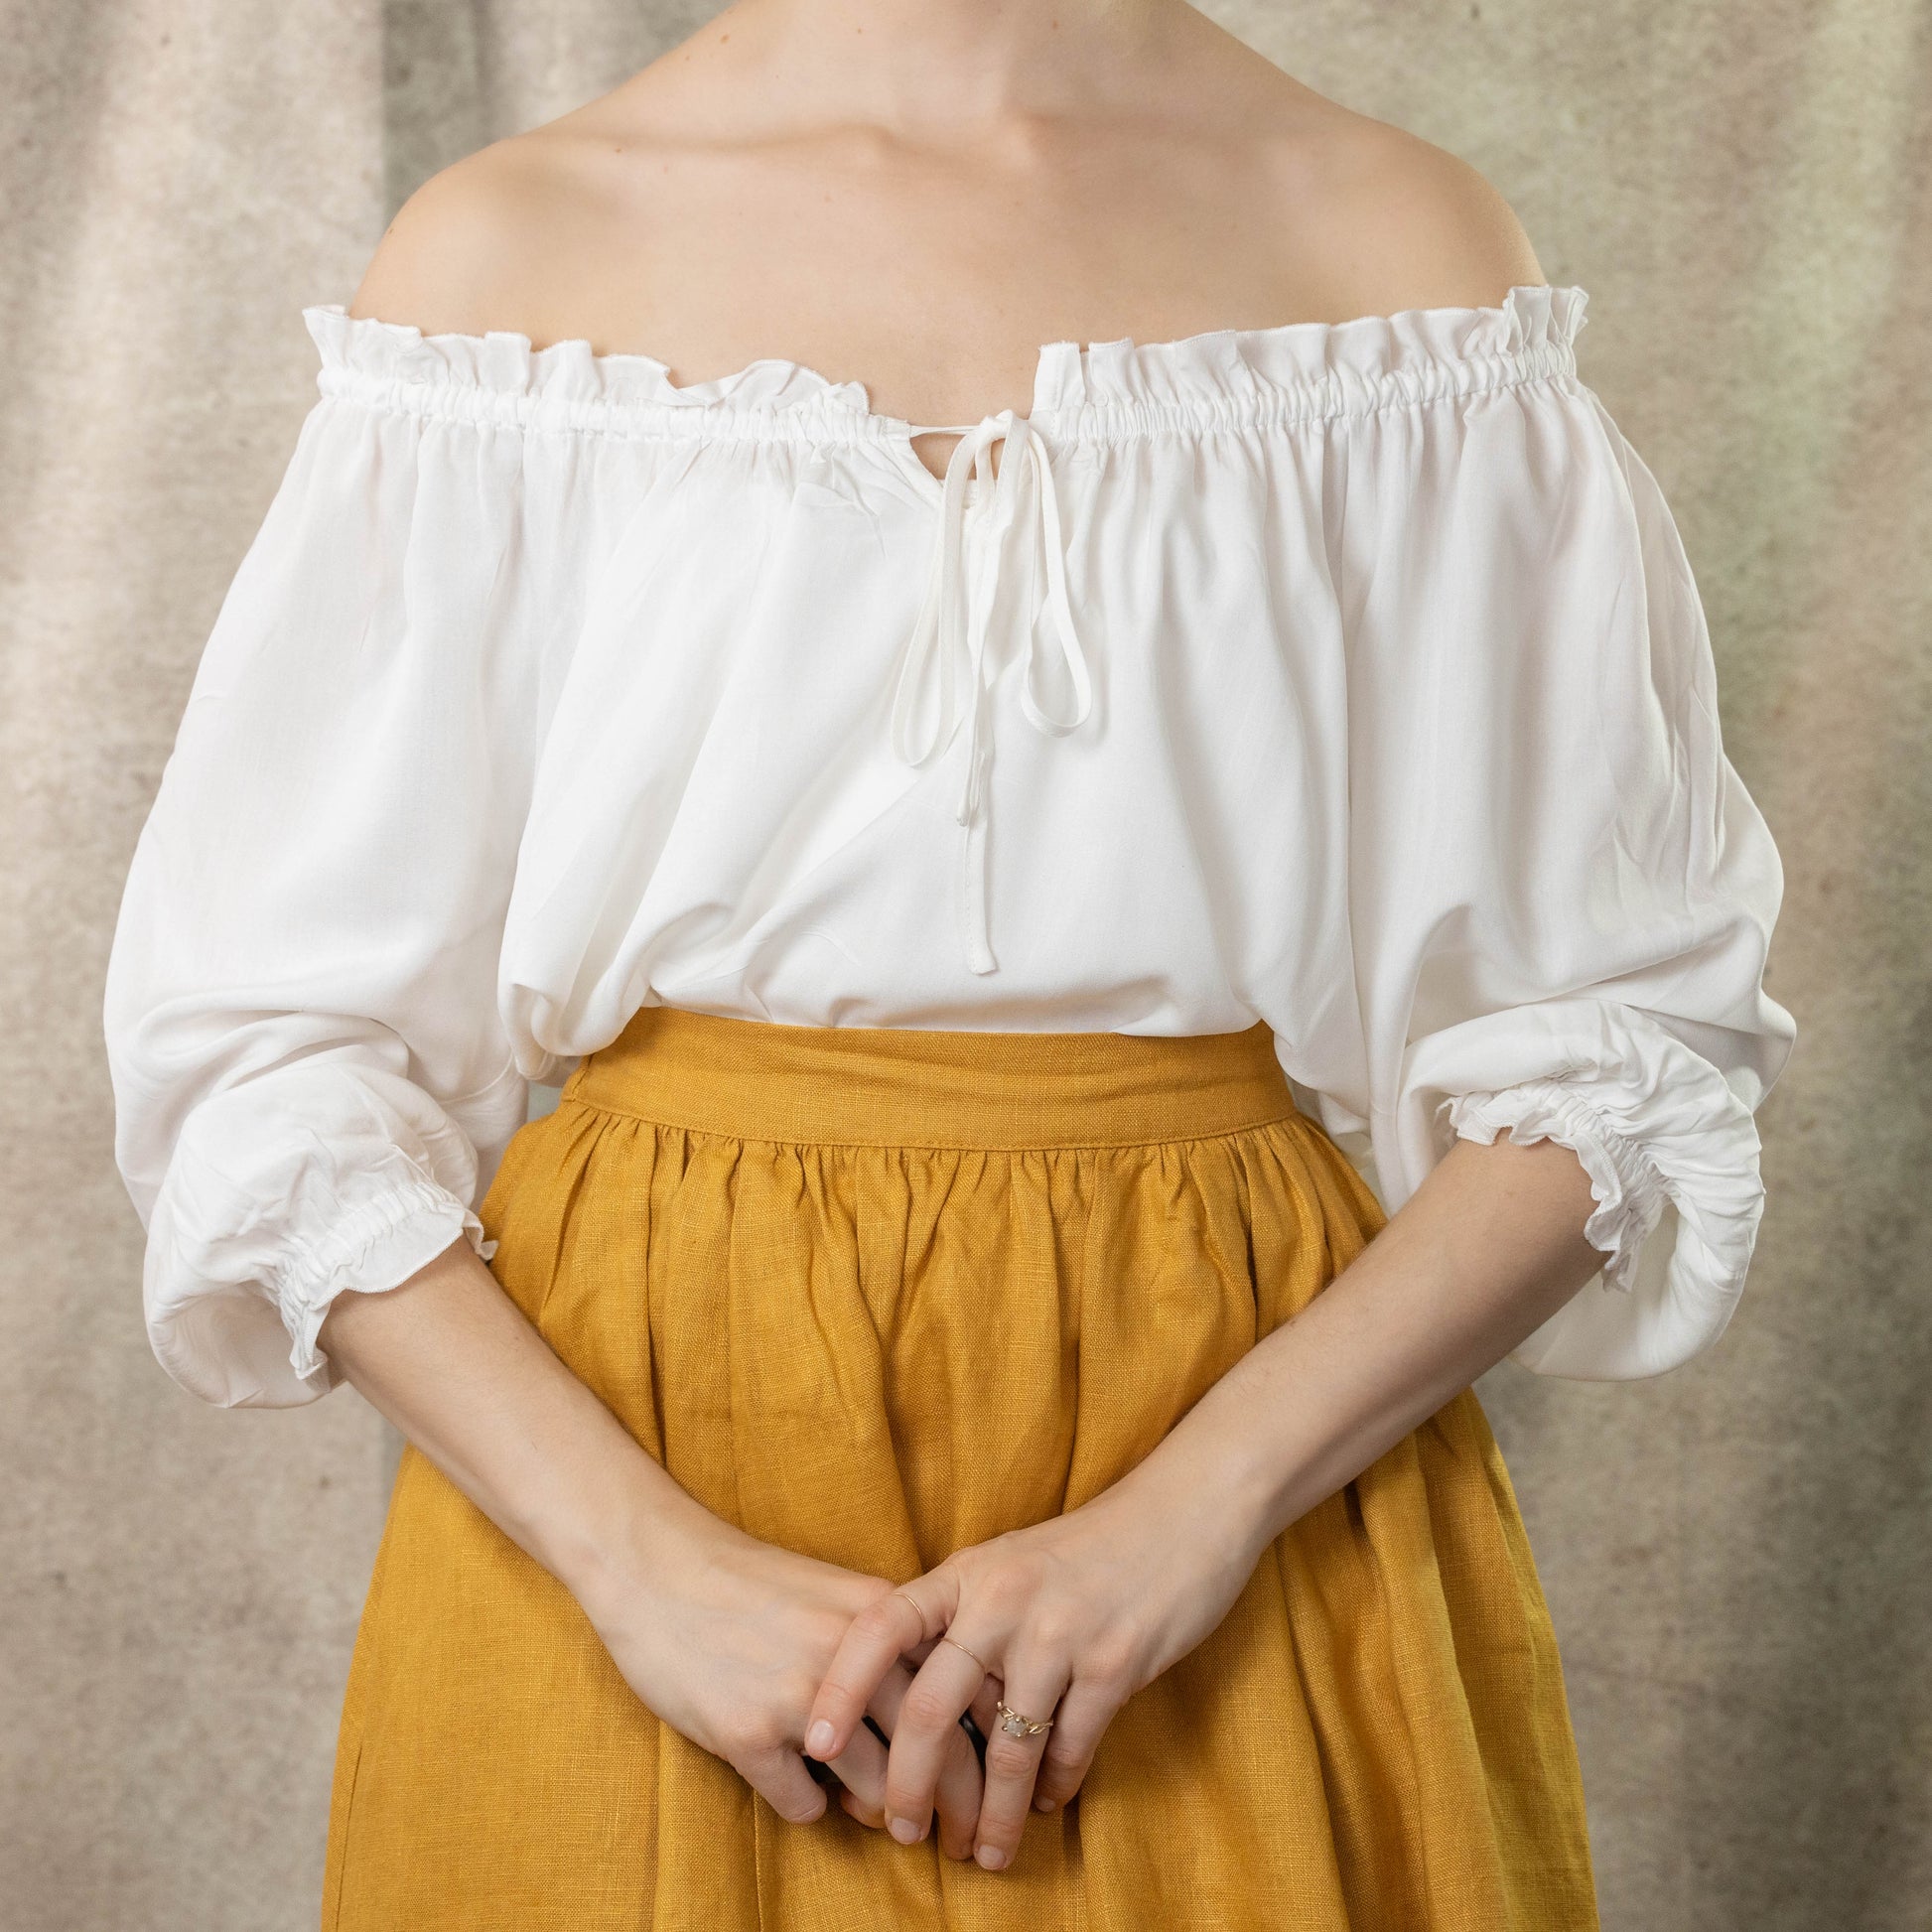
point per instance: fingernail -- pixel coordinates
(1043, 1803)
(991, 1856)
(818, 1741)
(904, 1831)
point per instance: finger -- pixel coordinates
(1088, 1707)
(777, 1773)
(956, 1798)
(986, 1705)
(873, 1641)
(852, 1808)
(859, 1771)
(926, 1735)
(1012, 1763)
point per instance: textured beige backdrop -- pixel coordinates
(1738, 1555)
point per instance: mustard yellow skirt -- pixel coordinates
(876, 1294)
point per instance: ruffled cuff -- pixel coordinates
(1673, 1158)
(378, 1245)
(1630, 1191)
(250, 1342)
(282, 1192)
(1668, 1143)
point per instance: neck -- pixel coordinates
(917, 66)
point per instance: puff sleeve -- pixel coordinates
(310, 1080)
(1560, 894)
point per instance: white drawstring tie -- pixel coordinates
(938, 629)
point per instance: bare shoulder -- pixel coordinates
(1436, 227)
(1392, 220)
(567, 230)
(480, 244)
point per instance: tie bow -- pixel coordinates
(952, 631)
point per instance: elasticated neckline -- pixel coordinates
(1221, 377)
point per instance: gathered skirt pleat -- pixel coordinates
(876, 1295)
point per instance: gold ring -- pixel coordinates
(900, 1592)
(1015, 1726)
(973, 1654)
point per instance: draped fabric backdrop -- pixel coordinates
(1737, 1554)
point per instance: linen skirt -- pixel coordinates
(876, 1294)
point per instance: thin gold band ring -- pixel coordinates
(973, 1654)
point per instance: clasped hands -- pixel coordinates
(744, 1647)
(1071, 1616)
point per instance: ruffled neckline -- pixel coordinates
(1291, 369)
(1359, 355)
(506, 362)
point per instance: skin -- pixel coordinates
(918, 198)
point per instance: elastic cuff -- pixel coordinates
(1630, 1191)
(378, 1245)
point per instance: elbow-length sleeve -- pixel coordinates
(311, 1079)
(1561, 892)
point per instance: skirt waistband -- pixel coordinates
(756, 1079)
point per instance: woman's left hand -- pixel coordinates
(1071, 1616)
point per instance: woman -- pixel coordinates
(983, 831)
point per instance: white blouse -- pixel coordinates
(1346, 676)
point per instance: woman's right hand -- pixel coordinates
(727, 1638)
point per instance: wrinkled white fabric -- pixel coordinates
(1348, 676)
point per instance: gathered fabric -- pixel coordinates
(876, 1295)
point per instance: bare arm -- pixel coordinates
(1486, 1250)
(453, 1362)
(723, 1636)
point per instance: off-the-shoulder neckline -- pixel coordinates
(1309, 365)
